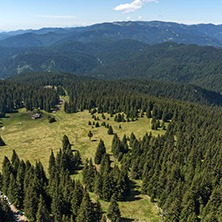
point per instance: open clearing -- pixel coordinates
(34, 139)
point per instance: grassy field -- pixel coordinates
(34, 139)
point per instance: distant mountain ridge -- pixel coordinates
(119, 50)
(152, 32)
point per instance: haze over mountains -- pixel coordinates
(155, 50)
(149, 32)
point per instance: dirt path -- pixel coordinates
(154, 203)
(17, 216)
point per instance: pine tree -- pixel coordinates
(57, 205)
(98, 185)
(101, 150)
(13, 191)
(52, 165)
(31, 202)
(77, 197)
(110, 130)
(20, 183)
(6, 171)
(65, 142)
(107, 186)
(90, 135)
(86, 212)
(15, 161)
(113, 211)
(42, 214)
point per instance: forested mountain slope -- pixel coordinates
(152, 32)
(167, 62)
(110, 59)
(180, 169)
(177, 91)
(72, 56)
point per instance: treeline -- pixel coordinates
(30, 96)
(42, 198)
(130, 95)
(74, 84)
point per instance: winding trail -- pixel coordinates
(154, 203)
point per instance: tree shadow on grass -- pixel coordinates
(133, 196)
(76, 171)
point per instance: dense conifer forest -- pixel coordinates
(180, 170)
(15, 95)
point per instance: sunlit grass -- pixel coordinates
(34, 139)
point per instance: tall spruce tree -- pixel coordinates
(90, 134)
(65, 142)
(110, 130)
(113, 210)
(86, 212)
(101, 150)
(42, 214)
(77, 197)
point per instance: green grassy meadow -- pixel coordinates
(34, 139)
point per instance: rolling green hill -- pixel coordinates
(89, 85)
(124, 59)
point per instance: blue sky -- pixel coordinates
(30, 14)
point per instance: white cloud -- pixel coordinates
(56, 16)
(132, 7)
(127, 18)
(140, 18)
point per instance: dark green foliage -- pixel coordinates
(6, 171)
(89, 173)
(101, 150)
(2, 143)
(77, 197)
(98, 185)
(30, 96)
(97, 124)
(42, 214)
(90, 135)
(51, 119)
(97, 212)
(113, 210)
(110, 130)
(65, 142)
(52, 165)
(6, 215)
(86, 211)
(31, 201)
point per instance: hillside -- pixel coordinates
(158, 148)
(152, 32)
(123, 59)
(176, 91)
(72, 56)
(167, 62)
